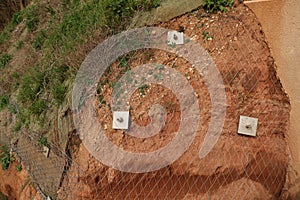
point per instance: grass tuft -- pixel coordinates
(4, 60)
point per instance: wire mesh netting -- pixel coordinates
(208, 160)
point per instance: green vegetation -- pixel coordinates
(4, 101)
(19, 168)
(17, 126)
(19, 44)
(39, 39)
(31, 85)
(56, 37)
(119, 12)
(4, 60)
(142, 89)
(16, 19)
(4, 36)
(6, 158)
(101, 99)
(12, 109)
(38, 107)
(213, 6)
(31, 16)
(43, 141)
(205, 35)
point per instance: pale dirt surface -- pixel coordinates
(281, 23)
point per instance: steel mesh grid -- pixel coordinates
(76, 182)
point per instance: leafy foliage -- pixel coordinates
(4, 60)
(19, 168)
(39, 39)
(5, 158)
(31, 85)
(213, 6)
(43, 141)
(118, 12)
(38, 107)
(4, 101)
(31, 16)
(16, 19)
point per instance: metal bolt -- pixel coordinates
(248, 126)
(120, 119)
(175, 37)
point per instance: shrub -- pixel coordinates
(213, 6)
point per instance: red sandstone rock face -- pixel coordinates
(238, 167)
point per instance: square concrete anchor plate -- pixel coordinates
(175, 37)
(46, 151)
(247, 126)
(120, 120)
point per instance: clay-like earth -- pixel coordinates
(238, 167)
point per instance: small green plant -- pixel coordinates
(23, 116)
(4, 60)
(12, 109)
(39, 39)
(38, 107)
(56, 78)
(5, 157)
(31, 17)
(213, 6)
(4, 36)
(43, 141)
(31, 85)
(142, 89)
(118, 12)
(50, 10)
(206, 36)
(17, 127)
(101, 99)
(102, 83)
(4, 101)
(19, 44)
(19, 168)
(17, 18)
(58, 93)
(123, 63)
